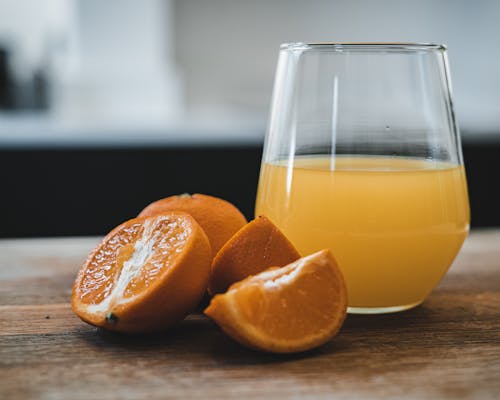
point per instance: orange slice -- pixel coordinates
(218, 218)
(145, 275)
(285, 310)
(254, 248)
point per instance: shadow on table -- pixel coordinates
(400, 320)
(198, 337)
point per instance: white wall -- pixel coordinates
(125, 70)
(125, 62)
(227, 49)
(29, 27)
(107, 61)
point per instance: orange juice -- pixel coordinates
(394, 224)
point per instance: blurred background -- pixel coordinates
(108, 105)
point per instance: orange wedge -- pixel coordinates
(145, 275)
(285, 310)
(254, 248)
(218, 218)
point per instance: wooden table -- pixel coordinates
(447, 348)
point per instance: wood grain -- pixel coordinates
(447, 348)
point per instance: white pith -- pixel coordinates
(143, 249)
(287, 278)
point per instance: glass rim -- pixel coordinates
(363, 46)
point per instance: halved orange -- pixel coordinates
(219, 218)
(254, 248)
(285, 310)
(145, 275)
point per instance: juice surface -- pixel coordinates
(394, 224)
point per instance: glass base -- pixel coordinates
(381, 310)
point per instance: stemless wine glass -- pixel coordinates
(363, 156)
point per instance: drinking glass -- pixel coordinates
(362, 156)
